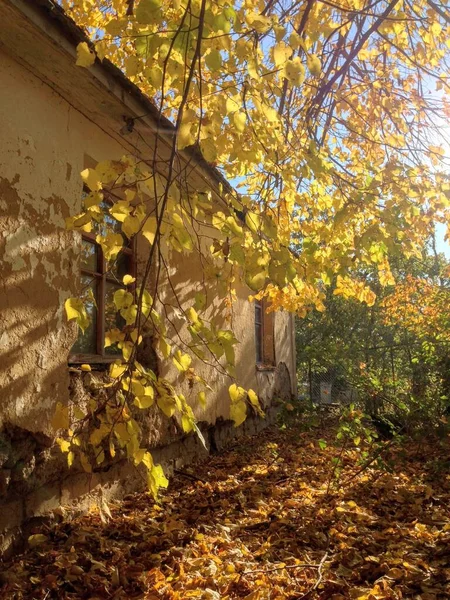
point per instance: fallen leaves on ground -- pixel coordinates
(260, 525)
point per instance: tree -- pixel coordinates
(323, 114)
(395, 352)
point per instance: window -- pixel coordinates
(264, 335)
(100, 280)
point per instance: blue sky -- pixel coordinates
(441, 244)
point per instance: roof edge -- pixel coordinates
(75, 34)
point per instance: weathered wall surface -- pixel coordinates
(46, 141)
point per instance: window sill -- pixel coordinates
(262, 367)
(96, 362)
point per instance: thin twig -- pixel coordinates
(318, 580)
(189, 476)
(299, 566)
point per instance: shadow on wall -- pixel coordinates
(39, 271)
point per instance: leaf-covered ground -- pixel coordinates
(260, 525)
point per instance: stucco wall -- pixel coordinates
(46, 142)
(44, 147)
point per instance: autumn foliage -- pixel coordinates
(258, 524)
(326, 118)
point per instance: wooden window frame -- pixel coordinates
(102, 276)
(264, 337)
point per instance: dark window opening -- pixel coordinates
(264, 335)
(100, 279)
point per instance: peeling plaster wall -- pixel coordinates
(45, 144)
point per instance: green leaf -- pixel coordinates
(214, 60)
(147, 11)
(253, 221)
(256, 280)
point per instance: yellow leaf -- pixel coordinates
(253, 398)
(113, 336)
(238, 412)
(185, 136)
(239, 120)
(253, 221)
(314, 64)
(187, 423)
(61, 417)
(164, 347)
(145, 400)
(200, 301)
(116, 370)
(236, 393)
(120, 210)
(156, 480)
(209, 149)
(128, 279)
(63, 444)
(131, 225)
(75, 310)
(70, 457)
(148, 460)
(85, 463)
(99, 434)
(182, 361)
(85, 56)
(147, 304)
(281, 52)
(294, 71)
(256, 281)
(36, 539)
(85, 367)
(122, 299)
(202, 399)
(149, 229)
(111, 243)
(167, 404)
(258, 22)
(147, 11)
(91, 178)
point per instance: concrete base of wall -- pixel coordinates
(78, 492)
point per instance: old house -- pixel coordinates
(56, 119)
